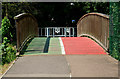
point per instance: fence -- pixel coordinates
(96, 26)
(57, 31)
(26, 27)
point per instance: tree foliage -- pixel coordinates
(6, 26)
(7, 49)
(115, 29)
(62, 13)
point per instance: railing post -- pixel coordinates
(69, 32)
(41, 31)
(65, 31)
(53, 32)
(73, 32)
(47, 32)
(62, 31)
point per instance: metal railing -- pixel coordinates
(57, 31)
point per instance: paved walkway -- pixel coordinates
(54, 46)
(92, 66)
(54, 64)
(81, 45)
(36, 46)
(40, 66)
(39, 46)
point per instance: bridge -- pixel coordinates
(82, 56)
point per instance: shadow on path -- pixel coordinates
(36, 46)
(26, 46)
(46, 47)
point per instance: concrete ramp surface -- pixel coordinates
(92, 66)
(40, 66)
(83, 59)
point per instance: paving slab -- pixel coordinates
(92, 66)
(40, 66)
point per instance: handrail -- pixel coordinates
(96, 26)
(24, 42)
(99, 14)
(26, 27)
(23, 15)
(96, 40)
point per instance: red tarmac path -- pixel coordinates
(81, 45)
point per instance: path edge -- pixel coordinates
(9, 68)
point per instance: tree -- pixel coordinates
(6, 26)
(114, 47)
(62, 12)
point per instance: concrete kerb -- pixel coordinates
(116, 61)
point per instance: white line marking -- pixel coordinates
(70, 76)
(62, 46)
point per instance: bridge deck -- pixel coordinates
(35, 64)
(72, 45)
